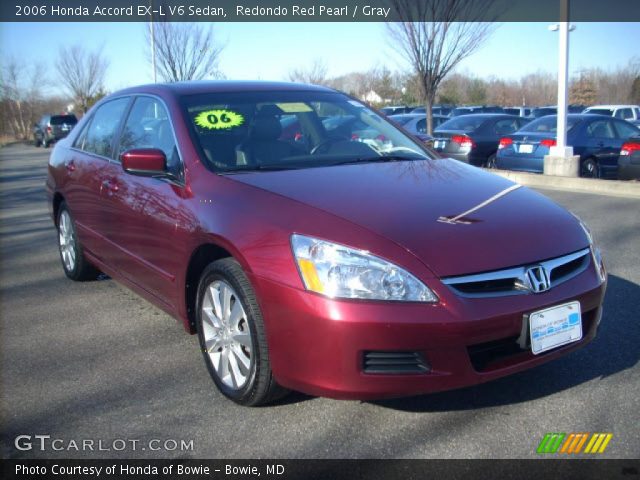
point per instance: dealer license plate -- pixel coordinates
(555, 327)
(525, 148)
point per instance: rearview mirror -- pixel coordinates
(144, 162)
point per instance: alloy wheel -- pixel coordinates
(67, 241)
(226, 332)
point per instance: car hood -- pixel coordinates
(421, 206)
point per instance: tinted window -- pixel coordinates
(421, 126)
(99, 136)
(626, 130)
(600, 129)
(512, 111)
(601, 111)
(541, 112)
(148, 126)
(506, 126)
(548, 124)
(400, 119)
(62, 119)
(624, 113)
(463, 122)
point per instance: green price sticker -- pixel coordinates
(219, 119)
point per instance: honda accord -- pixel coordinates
(331, 264)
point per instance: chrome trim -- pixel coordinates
(519, 276)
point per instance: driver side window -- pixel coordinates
(148, 126)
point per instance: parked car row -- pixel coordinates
(631, 113)
(597, 140)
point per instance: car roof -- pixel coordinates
(487, 115)
(611, 106)
(212, 86)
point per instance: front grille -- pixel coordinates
(395, 363)
(514, 281)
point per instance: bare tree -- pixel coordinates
(185, 51)
(21, 96)
(315, 74)
(82, 73)
(434, 48)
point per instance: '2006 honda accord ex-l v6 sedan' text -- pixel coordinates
(337, 263)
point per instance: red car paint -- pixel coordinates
(145, 233)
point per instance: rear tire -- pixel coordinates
(232, 336)
(36, 142)
(590, 169)
(491, 161)
(74, 263)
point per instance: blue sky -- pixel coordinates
(268, 51)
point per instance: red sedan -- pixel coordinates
(332, 263)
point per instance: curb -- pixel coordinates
(584, 185)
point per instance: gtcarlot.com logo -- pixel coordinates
(46, 443)
(573, 443)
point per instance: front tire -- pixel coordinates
(232, 335)
(74, 263)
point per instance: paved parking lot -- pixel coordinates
(94, 361)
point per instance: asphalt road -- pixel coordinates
(94, 361)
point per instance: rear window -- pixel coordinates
(62, 119)
(548, 124)
(400, 119)
(601, 111)
(463, 122)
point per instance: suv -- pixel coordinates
(52, 128)
(630, 113)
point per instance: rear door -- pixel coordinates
(145, 215)
(603, 142)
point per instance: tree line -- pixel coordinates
(432, 50)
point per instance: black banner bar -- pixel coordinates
(312, 10)
(538, 469)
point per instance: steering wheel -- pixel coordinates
(326, 142)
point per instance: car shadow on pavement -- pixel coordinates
(614, 350)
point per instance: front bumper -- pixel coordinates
(317, 345)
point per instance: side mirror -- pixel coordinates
(144, 162)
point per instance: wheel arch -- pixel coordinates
(203, 255)
(57, 201)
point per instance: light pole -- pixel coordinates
(153, 46)
(561, 160)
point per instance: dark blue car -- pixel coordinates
(596, 139)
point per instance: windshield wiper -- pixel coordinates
(259, 168)
(383, 158)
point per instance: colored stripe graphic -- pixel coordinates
(550, 443)
(598, 443)
(572, 443)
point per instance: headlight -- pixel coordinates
(342, 272)
(595, 251)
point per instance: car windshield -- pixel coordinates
(62, 119)
(548, 124)
(600, 111)
(463, 122)
(280, 130)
